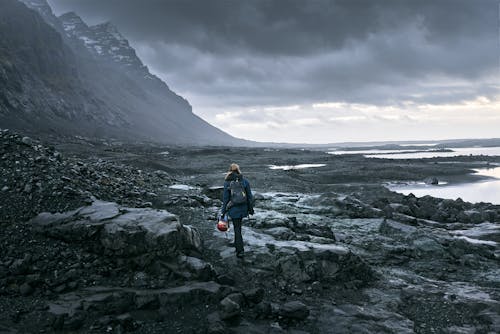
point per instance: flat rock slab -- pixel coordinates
(112, 300)
(120, 231)
(294, 310)
(299, 261)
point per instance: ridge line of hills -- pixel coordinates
(60, 76)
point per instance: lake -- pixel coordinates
(418, 154)
(302, 166)
(482, 191)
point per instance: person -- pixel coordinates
(237, 205)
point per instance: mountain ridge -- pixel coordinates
(99, 85)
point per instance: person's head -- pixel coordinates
(234, 168)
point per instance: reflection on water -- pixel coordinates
(289, 167)
(483, 191)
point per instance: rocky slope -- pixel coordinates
(355, 258)
(61, 76)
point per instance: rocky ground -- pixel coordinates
(99, 236)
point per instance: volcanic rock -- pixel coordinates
(294, 310)
(120, 231)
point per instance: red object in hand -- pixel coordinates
(222, 226)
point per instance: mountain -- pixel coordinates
(59, 75)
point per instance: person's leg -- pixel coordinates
(238, 239)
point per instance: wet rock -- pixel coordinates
(146, 301)
(263, 310)
(229, 308)
(120, 231)
(27, 141)
(184, 295)
(214, 192)
(237, 297)
(431, 180)
(292, 268)
(21, 266)
(254, 295)
(25, 289)
(427, 246)
(406, 219)
(126, 321)
(113, 300)
(140, 279)
(474, 216)
(280, 232)
(191, 268)
(488, 232)
(294, 310)
(225, 279)
(74, 321)
(215, 325)
(389, 227)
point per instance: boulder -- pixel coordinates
(113, 300)
(190, 267)
(27, 141)
(474, 216)
(214, 192)
(121, 231)
(215, 325)
(237, 297)
(229, 308)
(431, 180)
(280, 232)
(294, 310)
(254, 295)
(390, 228)
(25, 289)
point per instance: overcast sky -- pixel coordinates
(321, 70)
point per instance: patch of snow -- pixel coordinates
(87, 40)
(68, 27)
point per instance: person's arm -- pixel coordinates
(249, 198)
(226, 195)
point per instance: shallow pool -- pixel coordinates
(482, 191)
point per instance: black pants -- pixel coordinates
(238, 239)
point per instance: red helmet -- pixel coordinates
(222, 226)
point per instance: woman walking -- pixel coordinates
(237, 203)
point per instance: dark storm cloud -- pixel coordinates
(286, 52)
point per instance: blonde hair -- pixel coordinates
(233, 168)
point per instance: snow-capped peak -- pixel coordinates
(73, 23)
(43, 8)
(110, 29)
(40, 5)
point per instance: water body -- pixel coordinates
(456, 152)
(374, 152)
(302, 166)
(483, 191)
(418, 154)
(181, 187)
